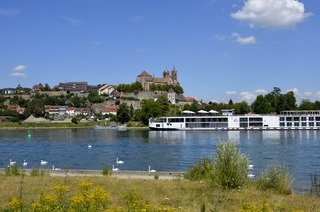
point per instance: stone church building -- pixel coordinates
(168, 79)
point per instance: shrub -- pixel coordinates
(12, 170)
(37, 172)
(105, 169)
(74, 120)
(201, 170)
(276, 177)
(230, 166)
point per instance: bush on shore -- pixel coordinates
(228, 169)
(230, 166)
(276, 177)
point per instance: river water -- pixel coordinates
(162, 150)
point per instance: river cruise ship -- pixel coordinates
(212, 120)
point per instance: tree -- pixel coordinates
(36, 107)
(149, 109)
(241, 108)
(123, 114)
(306, 105)
(94, 97)
(164, 103)
(261, 106)
(290, 101)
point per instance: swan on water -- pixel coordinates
(12, 162)
(89, 146)
(120, 161)
(251, 175)
(114, 169)
(53, 168)
(25, 163)
(43, 162)
(250, 166)
(151, 170)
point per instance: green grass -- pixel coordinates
(181, 195)
(22, 125)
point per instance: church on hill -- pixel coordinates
(167, 79)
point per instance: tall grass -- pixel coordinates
(228, 169)
(230, 166)
(276, 177)
(201, 170)
(152, 195)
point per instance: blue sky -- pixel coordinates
(221, 49)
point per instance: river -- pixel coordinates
(162, 150)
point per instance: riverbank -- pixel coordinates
(56, 125)
(117, 174)
(179, 195)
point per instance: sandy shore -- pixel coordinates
(118, 174)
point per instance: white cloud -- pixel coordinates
(140, 49)
(231, 92)
(272, 13)
(97, 43)
(19, 68)
(9, 12)
(307, 93)
(18, 74)
(72, 21)
(136, 19)
(295, 91)
(318, 94)
(248, 97)
(244, 40)
(260, 91)
(219, 37)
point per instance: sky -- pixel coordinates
(222, 50)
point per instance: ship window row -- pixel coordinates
(299, 124)
(251, 119)
(251, 125)
(302, 118)
(206, 125)
(207, 120)
(176, 120)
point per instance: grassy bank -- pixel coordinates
(22, 125)
(178, 195)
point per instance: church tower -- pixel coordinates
(174, 74)
(166, 73)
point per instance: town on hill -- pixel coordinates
(79, 99)
(147, 97)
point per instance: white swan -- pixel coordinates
(250, 166)
(89, 146)
(12, 162)
(151, 170)
(114, 169)
(43, 162)
(120, 161)
(53, 168)
(251, 175)
(25, 163)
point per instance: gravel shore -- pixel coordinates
(118, 174)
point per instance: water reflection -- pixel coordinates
(163, 150)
